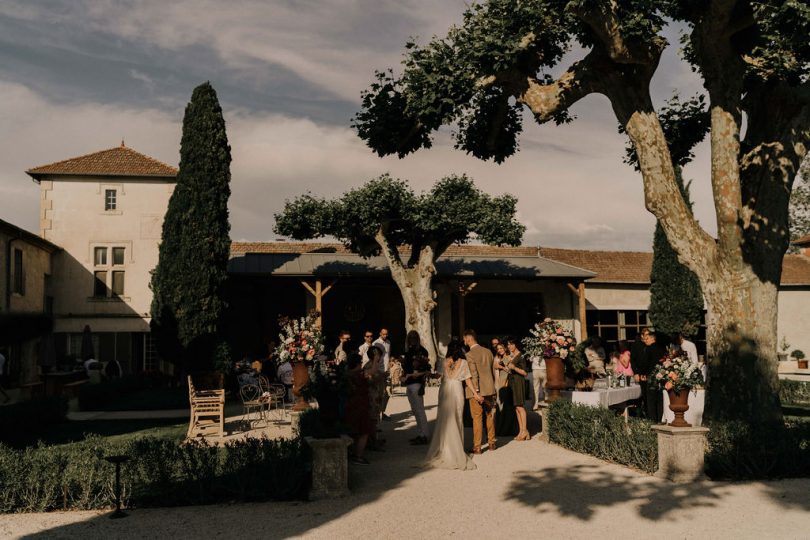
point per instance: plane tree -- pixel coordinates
(754, 61)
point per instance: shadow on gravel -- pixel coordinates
(580, 491)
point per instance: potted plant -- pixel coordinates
(676, 374)
(784, 346)
(301, 342)
(556, 343)
(801, 360)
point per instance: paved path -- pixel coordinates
(522, 490)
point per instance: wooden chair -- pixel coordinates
(207, 412)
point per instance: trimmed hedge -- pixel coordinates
(159, 473)
(603, 434)
(740, 451)
(38, 412)
(792, 392)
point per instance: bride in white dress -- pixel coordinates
(447, 447)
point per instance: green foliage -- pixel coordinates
(676, 299)
(794, 392)
(739, 450)
(23, 415)
(187, 283)
(159, 473)
(453, 211)
(603, 434)
(139, 391)
(800, 205)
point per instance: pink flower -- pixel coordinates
(668, 386)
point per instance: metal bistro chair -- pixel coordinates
(278, 401)
(251, 395)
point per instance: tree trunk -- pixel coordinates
(417, 294)
(741, 339)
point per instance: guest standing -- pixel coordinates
(506, 423)
(651, 354)
(538, 364)
(340, 351)
(415, 368)
(688, 347)
(357, 408)
(482, 394)
(517, 381)
(385, 344)
(368, 338)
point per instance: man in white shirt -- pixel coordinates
(538, 375)
(689, 348)
(368, 337)
(385, 344)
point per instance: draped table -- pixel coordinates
(603, 398)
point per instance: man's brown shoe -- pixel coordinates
(476, 451)
(492, 446)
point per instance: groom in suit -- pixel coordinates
(480, 361)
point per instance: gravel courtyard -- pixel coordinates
(524, 489)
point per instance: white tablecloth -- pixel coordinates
(603, 398)
(694, 416)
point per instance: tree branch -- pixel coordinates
(547, 100)
(602, 18)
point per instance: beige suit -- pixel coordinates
(482, 373)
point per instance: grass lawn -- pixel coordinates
(117, 430)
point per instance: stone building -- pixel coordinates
(26, 288)
(105, 210)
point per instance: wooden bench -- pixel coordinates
(207, 412)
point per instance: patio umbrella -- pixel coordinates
(19, 327)
(88, 351)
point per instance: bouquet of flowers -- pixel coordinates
(300, 339)
(676, 372)
(549, 339)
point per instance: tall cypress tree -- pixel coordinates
(676, 300)
(187, 283)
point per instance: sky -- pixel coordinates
(78, 76)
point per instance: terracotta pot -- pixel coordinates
(300, 380)
(679, 404)
(803, 363)
(555, 378)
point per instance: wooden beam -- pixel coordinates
(573, 289)
(307, 287)
(583, 314)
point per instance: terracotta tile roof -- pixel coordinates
(118, 161)
(803, 241)
(609, 266)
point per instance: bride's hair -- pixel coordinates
(455, 351)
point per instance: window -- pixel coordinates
(110, 199)
(100, 256)
(100, 284)
(19, 275)
(118, 283)
(613, 326)
(117, 256)
(108, 282)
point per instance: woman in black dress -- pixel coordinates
(506, 423)
(517, 381)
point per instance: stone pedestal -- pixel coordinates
(295, 423)
(680, 453)
(543, 435)
(330, 467)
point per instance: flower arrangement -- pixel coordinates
(548, 339)
(676, 372)
(300, 339)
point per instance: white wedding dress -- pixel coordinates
(447, 447)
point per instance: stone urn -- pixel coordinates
(679, 404)
(555, 378)
(300, 381)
